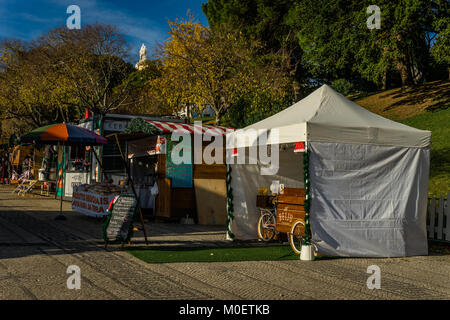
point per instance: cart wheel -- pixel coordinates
(296, 236)
(266, 226)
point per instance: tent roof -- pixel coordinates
(327, 116)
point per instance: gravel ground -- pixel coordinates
(36, 250)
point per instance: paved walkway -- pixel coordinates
(36, 250)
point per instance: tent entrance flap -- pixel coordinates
(247, 178)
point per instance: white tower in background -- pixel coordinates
(142, 57)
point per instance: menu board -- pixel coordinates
(120, 223)
(181, 174)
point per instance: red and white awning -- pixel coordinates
(168, 127)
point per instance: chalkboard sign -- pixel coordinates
(181, 174)
(118, 225)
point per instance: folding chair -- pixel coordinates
(20, 186)
(27, 187)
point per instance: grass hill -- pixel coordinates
(398, 104)
(424, 107)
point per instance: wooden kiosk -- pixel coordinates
(194, 190)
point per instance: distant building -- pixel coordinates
(193, 112)
(142, 57)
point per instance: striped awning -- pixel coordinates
(168, 127)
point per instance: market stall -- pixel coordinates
(176, 191)
(143, 155)
(61, 135)
(25, 162)
(365, 177)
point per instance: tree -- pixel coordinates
(338, 44)
(441, 31)
(267, 22)
(93, 60)
(325, 36)
(141, 98)
(402, 39)
(56, 77)
(29, 90)
(209, 68)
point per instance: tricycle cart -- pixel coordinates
(283, 213)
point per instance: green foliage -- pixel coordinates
(337, 43)
(329, 40)
(257, 57)
(138, 125)
(441, 49)
(139, 79)
(342, 86)
(325, 36)
(260, 20)
(441, 32)
(137, 85)
(265, 21)
(252, 108)
(203, 67)
(32, 94)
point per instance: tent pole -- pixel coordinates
(307, 251)
(60, 216)
(132, 187)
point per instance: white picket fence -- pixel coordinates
(438, 225)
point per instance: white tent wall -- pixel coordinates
(245, 181)
(369, 200)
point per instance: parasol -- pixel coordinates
(63, 134)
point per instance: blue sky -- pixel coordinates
(141, 21)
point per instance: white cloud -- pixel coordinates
(140, 30)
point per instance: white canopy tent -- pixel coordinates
(369, 176)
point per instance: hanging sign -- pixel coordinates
(115, 125)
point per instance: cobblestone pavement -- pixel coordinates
(35, 251)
